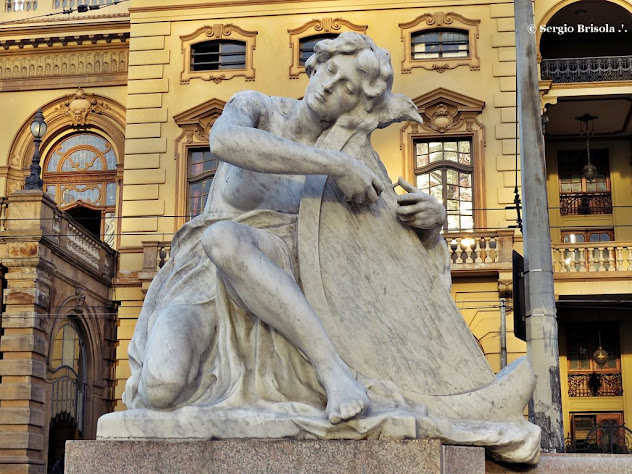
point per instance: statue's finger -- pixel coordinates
(406, 185)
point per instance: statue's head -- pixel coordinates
(351, 75)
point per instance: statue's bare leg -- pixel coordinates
(249, 260)
(178, 340)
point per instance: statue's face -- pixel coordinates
(335, 88)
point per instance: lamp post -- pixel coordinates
(38, 129)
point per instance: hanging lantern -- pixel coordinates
(587, 127)
(600, 356)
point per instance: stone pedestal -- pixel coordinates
(273, 456)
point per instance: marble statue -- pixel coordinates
(309, 300)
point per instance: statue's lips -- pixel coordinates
(319, 97)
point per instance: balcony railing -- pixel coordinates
(20, 5)
(575, 204)
(50, 10)
(595, 385)
(605, 68)
(588, 257)
(480, 251)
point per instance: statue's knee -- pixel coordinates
(220, 242)
(161, 386)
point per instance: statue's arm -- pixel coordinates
(237, 138)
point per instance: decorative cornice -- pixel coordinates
(218, 4)
(68, 18)
(74, 66)
(65, 40)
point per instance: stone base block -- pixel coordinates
(568, 463)
(272, 456)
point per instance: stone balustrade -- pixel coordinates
(480, 251)
(589, 257)
(23, 9)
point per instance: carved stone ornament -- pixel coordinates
(218, 32)
(439, 20)
(79, 105)
(316, 27)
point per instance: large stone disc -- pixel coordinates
(379, 297)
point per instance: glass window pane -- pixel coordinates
(110, 193)
(436, 156)
(449, 146)
(464, 147)
(467, 223)
(450, 156)
(453, 176)
(423, 182)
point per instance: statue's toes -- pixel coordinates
(335, 417)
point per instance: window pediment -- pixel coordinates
(218, 32)
(440, 22)
(316, 27)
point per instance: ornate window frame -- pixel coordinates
(439, 20)
(218, 32)
(317, 27)
(196, 124)
(448, 114)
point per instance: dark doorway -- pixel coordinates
(88, 218)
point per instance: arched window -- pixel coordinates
(440, 43)
(444, 169)
(306, 46)
(214, 55)
(68, 390)
(80, 175)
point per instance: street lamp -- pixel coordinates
(38, 129)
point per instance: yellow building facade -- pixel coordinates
(130, 91)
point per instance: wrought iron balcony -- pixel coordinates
(577, 204)
(598, 69)
(595, 385)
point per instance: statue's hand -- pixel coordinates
(418, 209)
(358, 183)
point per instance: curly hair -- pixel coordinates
(373, 61)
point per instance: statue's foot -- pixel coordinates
(349, 402)
(346, 397)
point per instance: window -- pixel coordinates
(195, 164)
(586, 377)
(306, 46)
(578, 195)
(202, 166)
(582, 340)
(440, 41)
(444, 170)
(303, 39)
(440, 44)
(80, 175)
(218, 53)
(214, 55)
(578, 236)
